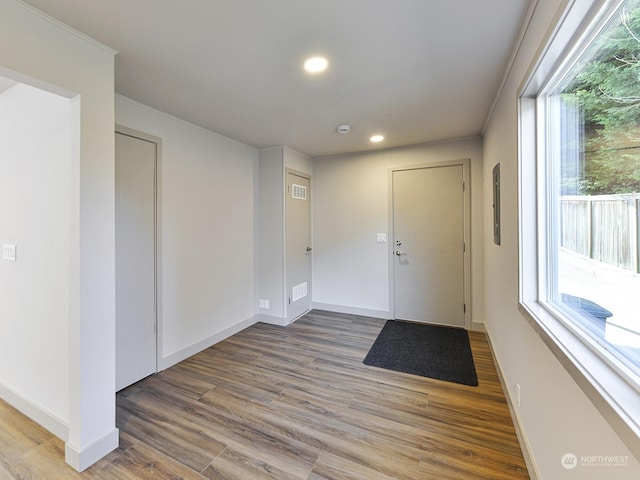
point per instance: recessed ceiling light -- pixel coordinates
(377, 138)
(316, 64)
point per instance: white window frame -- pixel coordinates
(612, 387)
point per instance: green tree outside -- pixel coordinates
(606, 92)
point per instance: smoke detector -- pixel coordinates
(343, 129)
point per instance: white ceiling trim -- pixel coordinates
(66, 27)
(526, 23)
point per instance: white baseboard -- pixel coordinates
(478, 327)
(524, 444)
(197, 347)
(80, 459)
(365, 312)
(475, 326)
(272, 320)
(46, 419)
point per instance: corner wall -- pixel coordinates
(555, 416)
(42, 52)
(272, 166)
(271, 236)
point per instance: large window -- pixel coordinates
(592, 171)
(580, 179)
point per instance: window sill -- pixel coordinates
(612, 394)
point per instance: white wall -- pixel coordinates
(297, 161)
(351, 205)
(35, 188)
(39, 51)
(350, 270)
(555, 415)
(207, 232)
(271, 237)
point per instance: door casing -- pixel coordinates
(466, 175)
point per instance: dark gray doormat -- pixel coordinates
(432, 351)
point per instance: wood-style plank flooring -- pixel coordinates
(291, 403)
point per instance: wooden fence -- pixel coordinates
(603, 227)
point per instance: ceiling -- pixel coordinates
(413, 70)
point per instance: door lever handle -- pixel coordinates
(309, 249)
(398, 253)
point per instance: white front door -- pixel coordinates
(135, 259)
(428, 250)
(298, 245)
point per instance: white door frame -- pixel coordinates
(466, 176)
(307, 176)
(158, 230)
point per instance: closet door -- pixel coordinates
(298, 245)
(135, 208)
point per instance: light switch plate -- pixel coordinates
(382, 238)
(9, 252)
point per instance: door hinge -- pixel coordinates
(463, 186)
(464, 307)
(464, 247)
(289, 300)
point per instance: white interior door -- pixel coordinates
(428, 255)
(135, 259)
(298, 245)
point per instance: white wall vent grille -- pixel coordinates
(9, 252)
(299, 291)
(298, 192)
